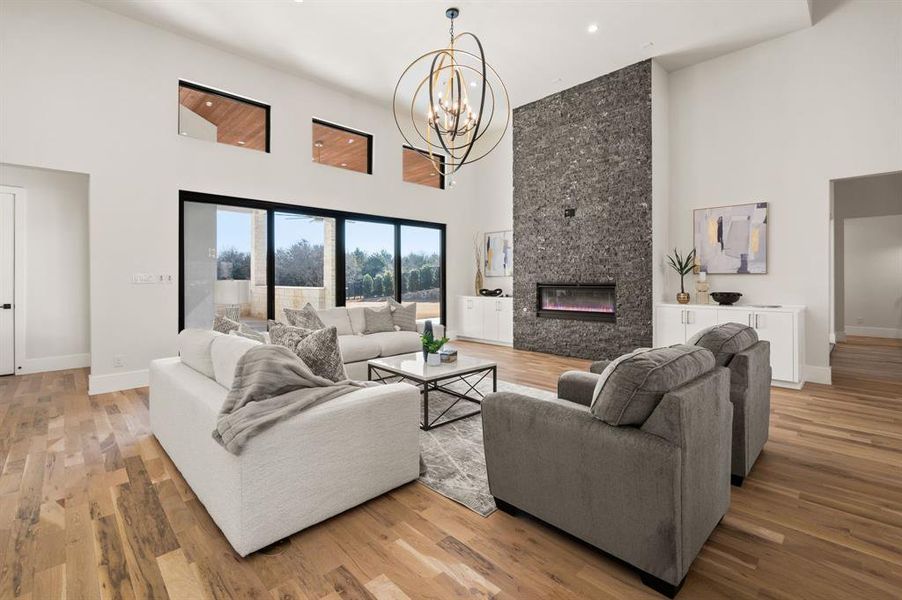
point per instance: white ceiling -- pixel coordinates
(538, 47)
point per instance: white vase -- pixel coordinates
(433, 359)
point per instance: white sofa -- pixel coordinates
(317, 464)
(357, 348)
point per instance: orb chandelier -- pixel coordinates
(452, 104)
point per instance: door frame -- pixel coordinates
(19, 195)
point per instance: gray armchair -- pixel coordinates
(735, 346)
(645, 488)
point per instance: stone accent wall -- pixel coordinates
(588, 148)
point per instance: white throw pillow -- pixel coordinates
(226, 350)
(606, 374)
(337, 318)
(358, 319)
(194, 349)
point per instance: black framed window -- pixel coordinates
(250, 259)
(418, 167)
(342, 147)
(209, 114)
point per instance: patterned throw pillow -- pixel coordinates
(378, 320)
(404, 317)
(320, 352)
(318, 348)
(225, 324)
(305, 317)
(287, 335)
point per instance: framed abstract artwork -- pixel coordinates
(499, 253)
(731, 239)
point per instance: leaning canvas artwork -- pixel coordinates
(499, 254)
(732, 239)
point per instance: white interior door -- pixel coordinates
(7, 287)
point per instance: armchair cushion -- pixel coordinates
(725, 340)
(635, 385)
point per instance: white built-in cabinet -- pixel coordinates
(487, 319)
(783, 327)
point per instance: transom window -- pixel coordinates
(208, 114)
(342, 147)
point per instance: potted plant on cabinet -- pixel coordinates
(683, 266)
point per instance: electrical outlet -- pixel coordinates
(118, 361)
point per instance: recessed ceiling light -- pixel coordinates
(593, 28)
(344, 164)
(350, 140)
(208, 103)
(240, 143)
(472, 84)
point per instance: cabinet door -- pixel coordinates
(733, 315)
(699, 318)
(778, 328)
(670, 325)
(490, 319)
(506, 321)
(471, 318)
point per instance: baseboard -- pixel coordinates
(482, 341)
(114, 382)
(54, 363)
(881, 332)
(792, 385)
(817, 374)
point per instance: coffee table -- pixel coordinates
(412, 368)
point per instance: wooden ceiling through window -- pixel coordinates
(417, 168)
(340, 148)
(237, 123)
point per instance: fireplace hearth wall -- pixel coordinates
(587, 148)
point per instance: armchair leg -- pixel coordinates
(737, 480)
(505, 507)
(661, 586)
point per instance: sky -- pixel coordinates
(234, 231)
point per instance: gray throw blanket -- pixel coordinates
(271, 385)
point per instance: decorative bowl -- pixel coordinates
(726, 298)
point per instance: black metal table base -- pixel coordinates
(472, 394)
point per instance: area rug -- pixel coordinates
(454, 454)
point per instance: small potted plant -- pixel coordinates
(683, 266)
(431, 345)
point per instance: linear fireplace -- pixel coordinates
(590, 302)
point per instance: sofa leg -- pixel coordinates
(505, 507)
(737, 480)
(661, 586)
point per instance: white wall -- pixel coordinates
(90, 91)
(55, 311)
(775, 123)
(873, 276)
(495, 204)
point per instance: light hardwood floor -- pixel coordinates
(91, 507)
